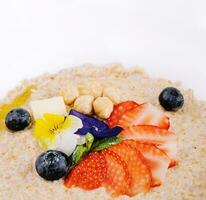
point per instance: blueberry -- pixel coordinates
(18, 119)
(171, 99)
(52, 165)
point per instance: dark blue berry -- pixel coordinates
(52, 165)
(18, 119)
(171, 99)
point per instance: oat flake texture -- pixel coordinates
(18, 152)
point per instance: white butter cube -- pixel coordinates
(54, 105)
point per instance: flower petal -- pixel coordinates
(66, 142)
(57, 132)
(81, 140)
(41, 129)
(54, 119)
(73, 123)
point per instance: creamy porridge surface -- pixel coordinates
(19, 180)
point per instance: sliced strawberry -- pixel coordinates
(118, 180)
(144, 114)
(156, 159)
(119, 110)
(140, 173)
(89, 174)
(162, 138)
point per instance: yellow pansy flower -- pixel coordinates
(49, 129)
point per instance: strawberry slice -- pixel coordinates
(118, 180)
(144, 114)
(156, 159)
(89, 174)
(140, 173)
(118, 111)
(161, 138)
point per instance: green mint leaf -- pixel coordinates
(82, 150)
(105, 143)
(78, 153)
(89, 140)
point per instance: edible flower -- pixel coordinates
(57, 132)
(95, 126)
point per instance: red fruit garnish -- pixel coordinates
(139, 172)
(155, 158)
(89, 174)
(144, 114)
(118, 179)
(161, 138)
(119, 110)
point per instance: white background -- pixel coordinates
(165, 37)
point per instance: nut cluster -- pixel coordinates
(91, 97)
